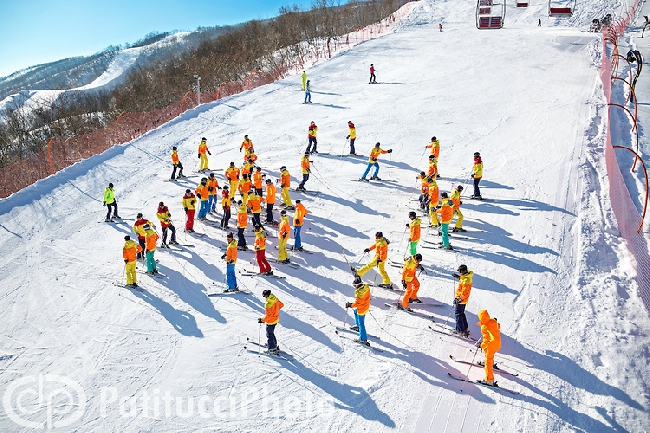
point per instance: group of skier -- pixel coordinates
(254, 189)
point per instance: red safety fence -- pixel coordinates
(628, 217)
(63, 152)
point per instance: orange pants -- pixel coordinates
(412, 288)
(489, 363)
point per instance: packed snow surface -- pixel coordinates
(78, 352)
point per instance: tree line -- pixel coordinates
(257, 45)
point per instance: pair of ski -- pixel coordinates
(280, 354)
(482, 365)
(251, 273)
(394, 306)
(356, 340)
(227, 292)
(290, 264)
(442, 329)
(308, 192)
(480, 382)
(126, 286)
(156, 275)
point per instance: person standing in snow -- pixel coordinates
(177, 165)
(231, 259)
(283, 237)
(311, 136)
(138, 230)
(151, 237)
(110, 202)
(410, 281)
(490, 343)
(242, 223)
(129, 253)
(257, 178)
(166, 223)
(271, 318)
(308, 92)
(306, 170)
(232, 175)
(285, 184)
(202, 191)
(254, 204)
(414, 232)
(446, 212)
(271, 190)
(440, 27)
(461, 298)
(304, 80)
(352, 136)
(434, 146)
(203, 153)
(244, 188)
(260, 251)
(477, 174)
(225, 205)
(361, 307)
(213, 187)
(372, 162)
(298, 221)
(373, 78)
(433, 166)
(246, 144)
(189, 205)
(455, 198)
(381, 254)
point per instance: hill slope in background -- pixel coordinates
(543, 245)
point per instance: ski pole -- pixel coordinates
(259, 339)
(453, 288)
(472, 364)
(347, 140)
(346, 317)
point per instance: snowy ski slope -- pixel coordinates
(544, 247)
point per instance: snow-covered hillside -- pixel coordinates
(83, 354)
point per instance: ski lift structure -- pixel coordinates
(490, 14)
(561, 8)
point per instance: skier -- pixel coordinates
(373, 79)
(129, 252)
(306, 170)
(490, 343)
(213, 186)
(433, 193)
(361, 306)
(352, 136)
(151, 237)
(246, 144)
(414, 232)
(433, 166)
(231, 259)
(244, 188)
(440, 26)
(410, 281)
(254, 204)
(242, 223)
(304, 79)
(250, 155)
(260, 251)
(446, 213)
(298, 221)
(311, 136)
(202, 192)
(203, 150)
(225, 205)
(140, 221)
(381, 254)
(271, 190)
(283, 237)
(177, 164)
(232, 175)
(424, 190)
(257, 180)
(308, 92)
(372, 162)
(285, 184)
(271, 318)
(189, 205)
(477, 174)
(166, 223)
(110, 202)
(434, 146)
(464, 277)
(455, 198)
